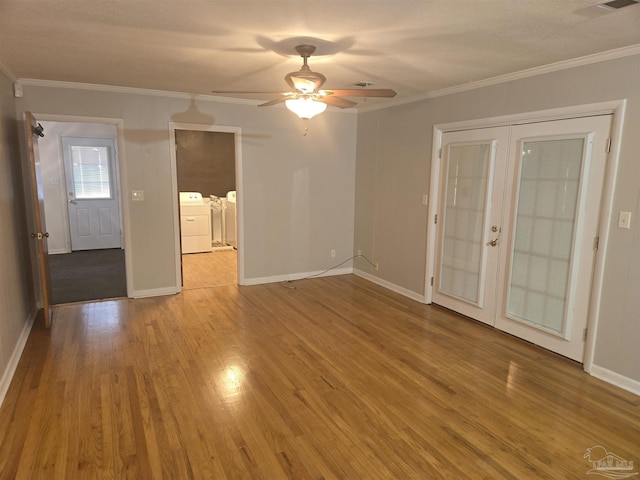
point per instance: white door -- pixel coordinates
(94, 213)
(551, 216)
(519, 213)
(471, 185)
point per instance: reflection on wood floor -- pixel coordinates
(203, 270)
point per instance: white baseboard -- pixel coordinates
(154, 292)
(296, 276)
(8, 373)
(391, 286)
(58, 251)
(616, 379)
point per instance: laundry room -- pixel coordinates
(206, 180)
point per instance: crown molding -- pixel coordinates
(509, 77)
(135, 91)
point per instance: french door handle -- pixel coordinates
(493, 242)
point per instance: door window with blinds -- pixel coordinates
(91, 171)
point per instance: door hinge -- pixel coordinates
(435, 218)
(584, 334)
(440, 153)
(432, 281)
(596, 243)
(608, 149)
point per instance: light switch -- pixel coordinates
(137, 195)
(624, 220)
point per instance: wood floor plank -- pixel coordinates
(330, 378)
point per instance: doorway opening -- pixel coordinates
(79, 162)
(206, 179)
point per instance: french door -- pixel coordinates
(517, 219)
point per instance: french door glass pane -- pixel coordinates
(464, 213)
(91, 172)
(544, 227)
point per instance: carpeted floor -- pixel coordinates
(87, 275)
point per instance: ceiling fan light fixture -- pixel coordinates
(305, 107)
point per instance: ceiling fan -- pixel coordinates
(307, 99)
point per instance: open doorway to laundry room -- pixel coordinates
(205, 159)
(79, 162)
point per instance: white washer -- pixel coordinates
(195, 223)
(230, 219)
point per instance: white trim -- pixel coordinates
(10, 370)
(59, 251)
(615, 107)
(34, 82)
(432, 210)
(121, 180)
(298, 276)
(616, 379)
(237, 131)
(390, 286)
(154, 292)
(604, 229)
(509, 77)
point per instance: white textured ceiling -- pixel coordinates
(412, 46)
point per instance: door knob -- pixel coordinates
(493, 242)
(73, 202)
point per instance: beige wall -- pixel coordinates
(297, 190)
(17, 302)
(393, 176)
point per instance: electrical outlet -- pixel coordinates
(624, 220)
(333, 252)
(376, 266)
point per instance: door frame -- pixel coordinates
(120, 180)
(237, 137)
(614, 107)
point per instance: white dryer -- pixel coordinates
(195, 223)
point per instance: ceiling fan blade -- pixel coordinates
(247, 91)
(336, 101)
(362, 92)
(274, 102)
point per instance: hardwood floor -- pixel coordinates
(336, 378)
(203, 270)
